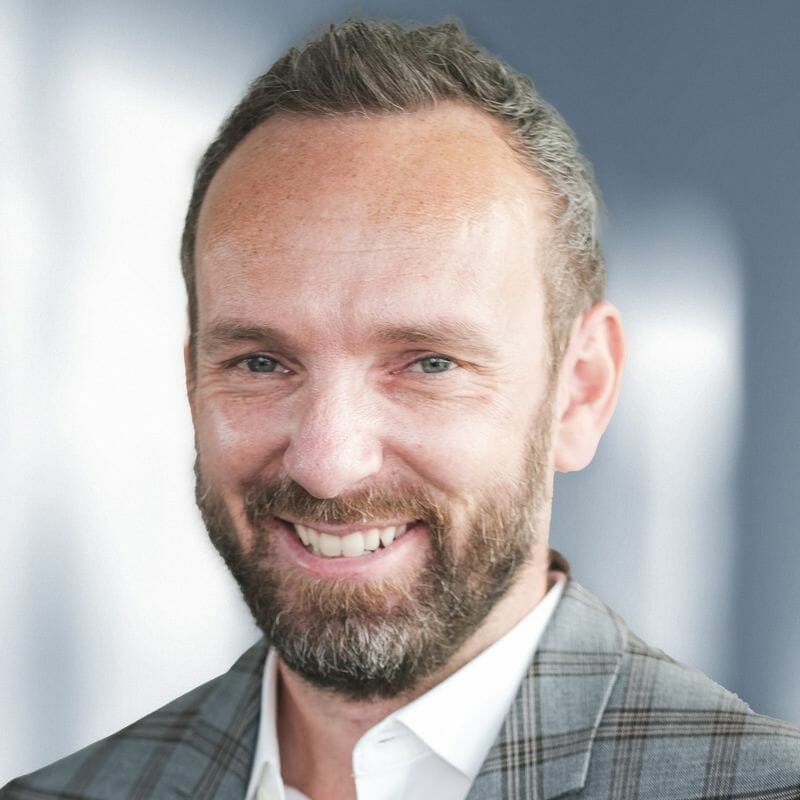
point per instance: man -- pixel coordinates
(397, 335)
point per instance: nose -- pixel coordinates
(335, 443)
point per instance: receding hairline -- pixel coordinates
(382, 66)
(260, 145)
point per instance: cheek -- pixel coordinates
(235, 441)
(464, 454)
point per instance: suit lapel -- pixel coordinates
(542, 751)
(214, 757)
(544, 747)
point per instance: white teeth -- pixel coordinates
(304, 534)
(372, 539)
(387, 536)
(330, 546)
(352, 545)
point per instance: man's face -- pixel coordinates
(371, 363)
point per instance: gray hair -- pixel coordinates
(361, 66)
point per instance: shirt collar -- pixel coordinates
(459, 732)
(267, 753)
(448, 717)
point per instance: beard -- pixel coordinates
(380, 638)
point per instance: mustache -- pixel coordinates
(286, 498)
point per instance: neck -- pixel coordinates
(318, 728)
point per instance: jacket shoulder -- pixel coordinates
(163, 752)
(669, 725)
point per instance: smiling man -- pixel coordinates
(398, 335)
(371, 390)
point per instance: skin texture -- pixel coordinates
(382, 276)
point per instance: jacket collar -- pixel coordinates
(544, 747)
(213, 759)
(542, 751)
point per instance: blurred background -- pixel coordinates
(112, 602)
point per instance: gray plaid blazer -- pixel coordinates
(600, 715)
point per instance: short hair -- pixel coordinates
(365, 67)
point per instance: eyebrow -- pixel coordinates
(466, 336)
(224, 334)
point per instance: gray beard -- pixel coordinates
(381, 638)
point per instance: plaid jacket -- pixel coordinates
(600, 715)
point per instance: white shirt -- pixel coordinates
(435, 745)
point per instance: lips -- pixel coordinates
(351, 545)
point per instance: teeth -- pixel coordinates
(387, 536)
(372, 539)
(351, 546)
(330, 546)
(304, 534)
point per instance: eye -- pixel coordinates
(261, 364)
(432, 364)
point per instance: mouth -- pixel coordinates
(353, 544)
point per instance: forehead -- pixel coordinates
(456, 153)
(422, 199)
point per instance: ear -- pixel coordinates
(588, 386)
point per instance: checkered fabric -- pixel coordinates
(606, 717)
(599, 715)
